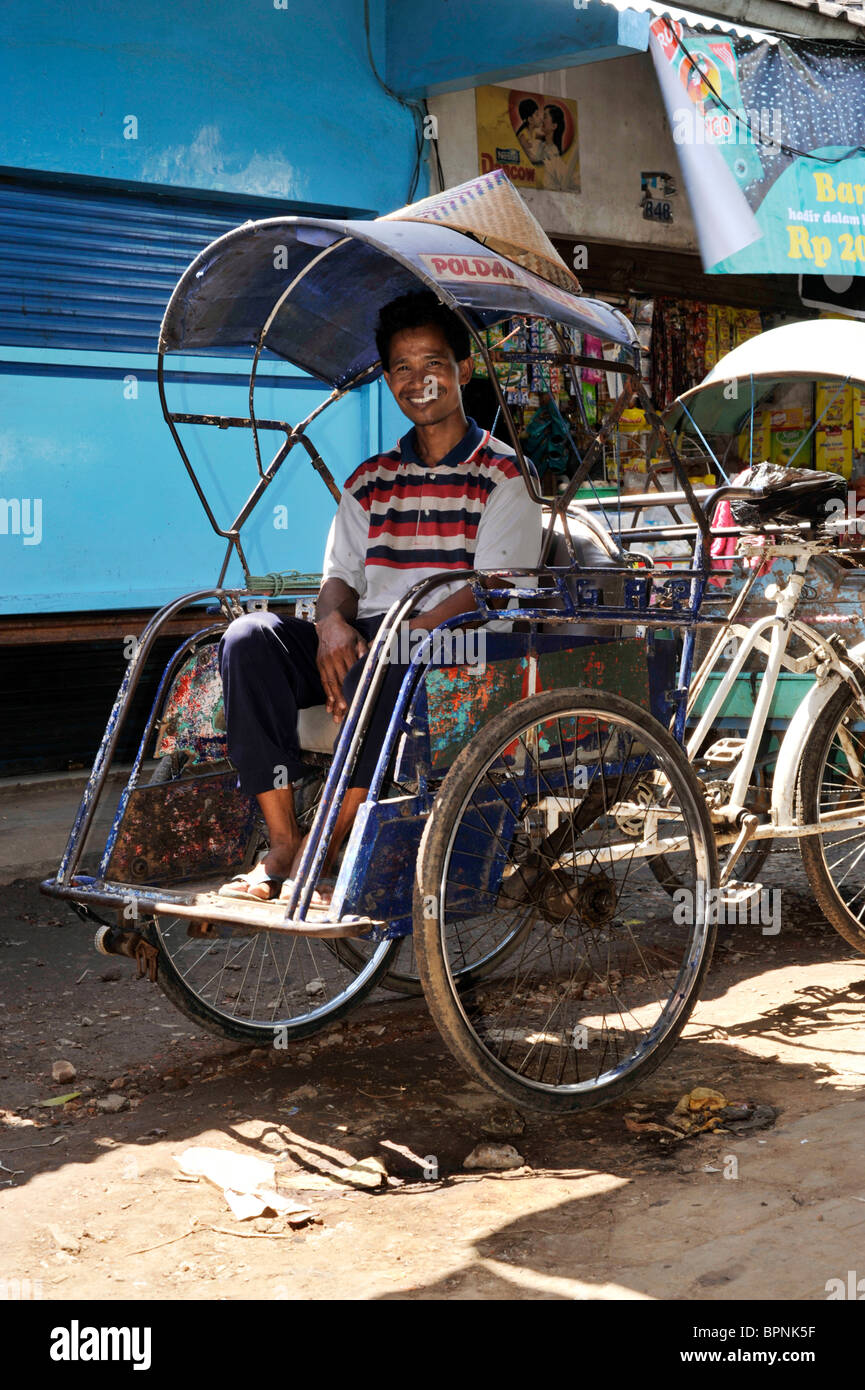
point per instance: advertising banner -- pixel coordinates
(771, 139)
(531, 136)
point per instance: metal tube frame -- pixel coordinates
(116, 720)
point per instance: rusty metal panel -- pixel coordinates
(616, 666)
(833, 599)
(189, 828)
(461, 699)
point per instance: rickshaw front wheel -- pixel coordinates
(538, 832)
(263, 988)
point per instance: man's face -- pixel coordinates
(424, 375)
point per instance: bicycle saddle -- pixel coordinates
(788, 494)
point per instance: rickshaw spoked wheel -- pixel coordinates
(527, 831)
(252, 986)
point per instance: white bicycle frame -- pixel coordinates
(830, 669)
(735, 825)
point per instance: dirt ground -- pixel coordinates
(94, 1205)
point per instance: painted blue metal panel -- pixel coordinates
(445, 47)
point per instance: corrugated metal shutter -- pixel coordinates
(84, 267)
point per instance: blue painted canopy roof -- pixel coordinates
(340, 274)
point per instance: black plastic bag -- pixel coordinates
(793, 494)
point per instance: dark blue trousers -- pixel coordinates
(269, 672)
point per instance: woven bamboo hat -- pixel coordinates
(490, 209)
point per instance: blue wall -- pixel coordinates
(252, 98)
(121, 525)
(229, 94)
(442, 46)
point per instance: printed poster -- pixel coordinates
(533, 137)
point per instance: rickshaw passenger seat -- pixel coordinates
(595, 549)
(316, 730)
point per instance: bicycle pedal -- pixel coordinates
(736, 893)
(724, 752)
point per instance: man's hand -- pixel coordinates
(463, 601)
(339, 647)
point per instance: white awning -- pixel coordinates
(692, 20)
(817, 348)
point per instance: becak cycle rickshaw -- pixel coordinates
(520, 806)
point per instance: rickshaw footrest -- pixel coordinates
(210, 907)
(252, 917)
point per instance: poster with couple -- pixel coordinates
(531, 136)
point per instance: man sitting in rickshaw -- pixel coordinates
(447, 499)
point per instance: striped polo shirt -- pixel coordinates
(400, 520)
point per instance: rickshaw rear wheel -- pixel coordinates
(263, 988)
(528, 821)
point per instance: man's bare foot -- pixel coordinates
(322, 895)
(281, 858)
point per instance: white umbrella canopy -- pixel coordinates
(814, 350)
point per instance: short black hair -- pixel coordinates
(418, 309)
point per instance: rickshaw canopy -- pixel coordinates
(814, 350)
(311, 290)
